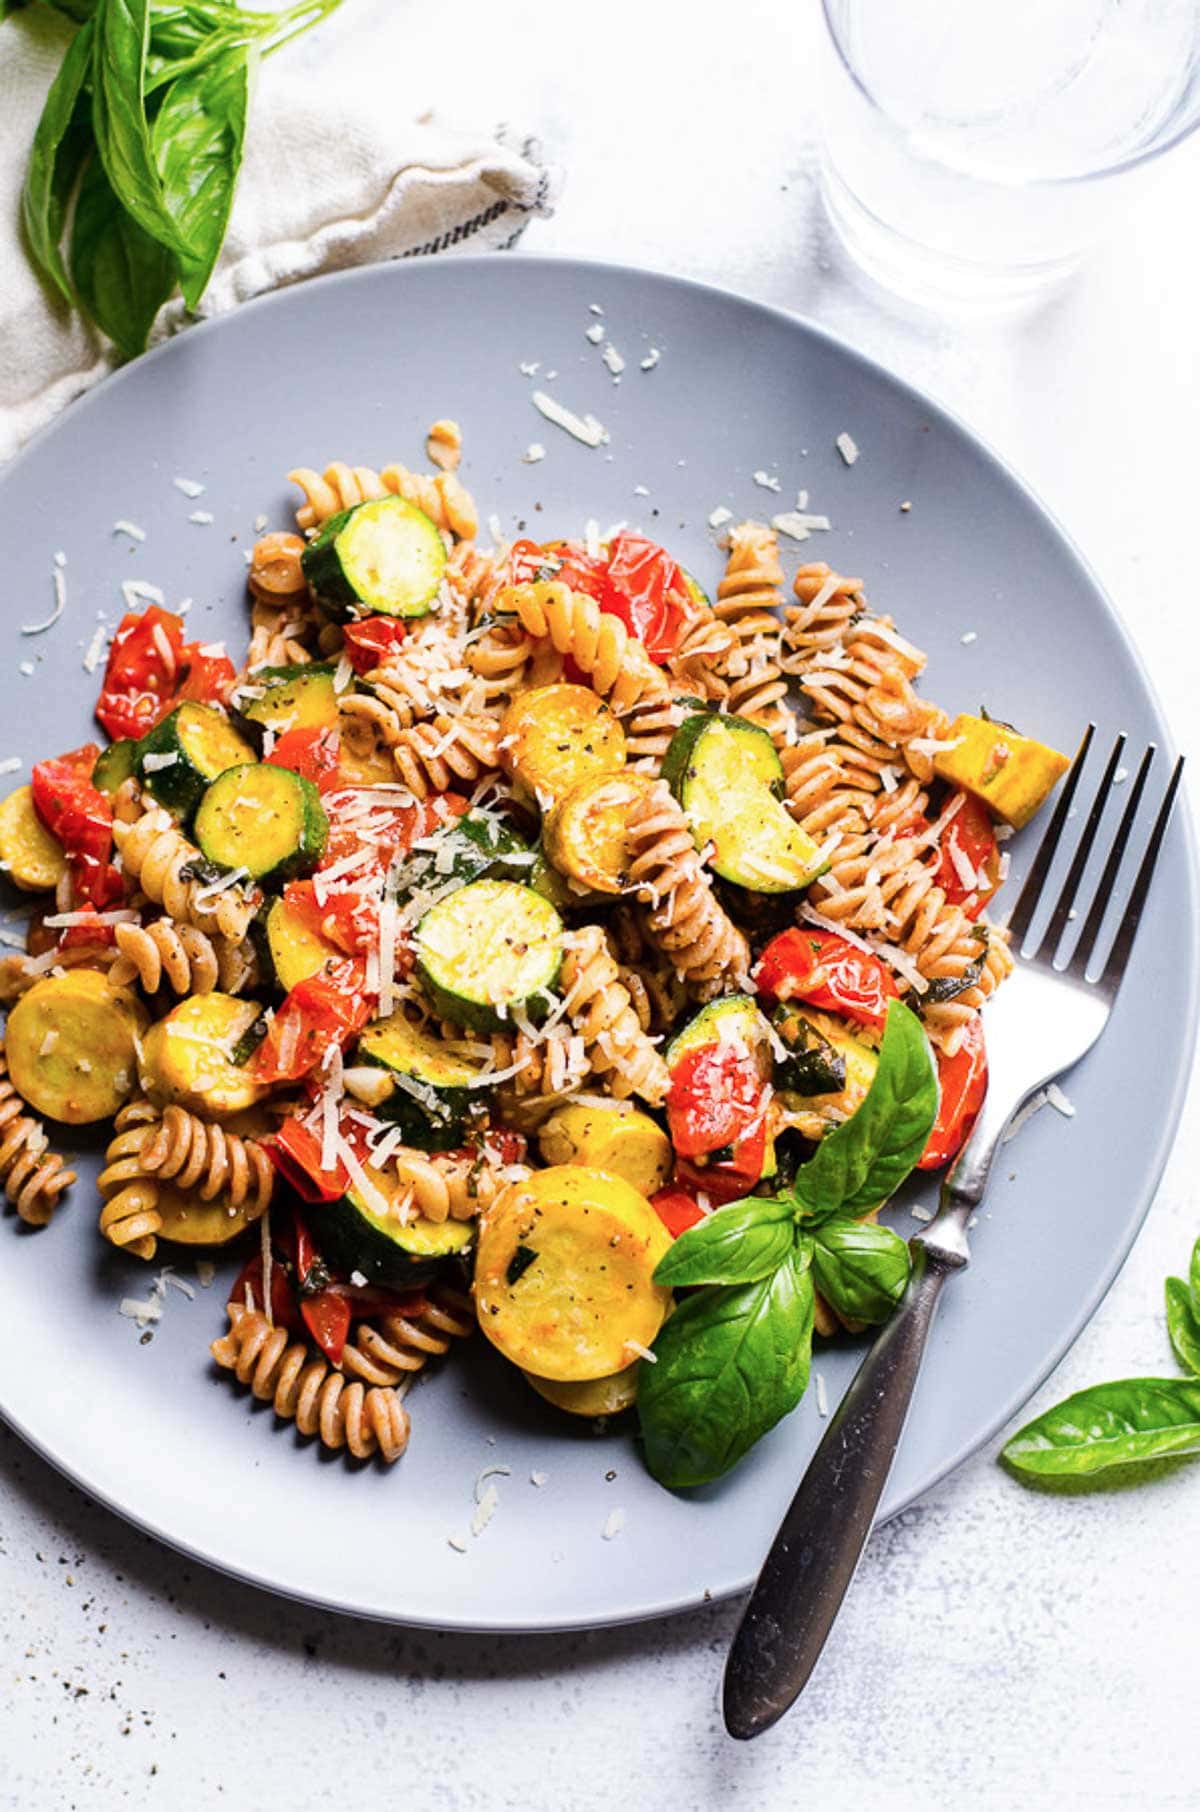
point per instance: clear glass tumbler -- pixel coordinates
(972, 153)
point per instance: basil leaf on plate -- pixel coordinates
(1110, 1425)
(119, 119)
(123, 276)
(60, 145)
(1183, 1326)
(731, 1362)
(738, 1244)
(198, 137)
(861, 1269)
(862, 1162)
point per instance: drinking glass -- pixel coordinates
(973, 152)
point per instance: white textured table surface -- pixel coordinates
(1001, 1648)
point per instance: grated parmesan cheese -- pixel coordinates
(1059, 1102)
(10, 764)
(60, 602)
(651, 359)
(612, 359)
(594, 333)
(188, 486)
(584, 428)
(847, 446)
(533, 453)
(614, 1522)
(822, 1398)
(767, 482)
(129, 528)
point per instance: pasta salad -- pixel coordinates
(519, 939)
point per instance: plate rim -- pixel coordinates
(1041, 1369)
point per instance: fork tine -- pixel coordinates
(1026, 906)
(1079, 862)
(1118, 956)
(1086, 945)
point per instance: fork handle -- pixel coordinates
(821, 1539)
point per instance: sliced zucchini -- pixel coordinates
(487, 949)
(295, 949)
(384, 558)
(185, 752)
(591, 1397)
(584, 833)
(564, 1274)
(292, 698)
(115, 765)
(725, 773)
(187, 1056)
(812, 1115)
(554, 737)
(1012, 774)
(478, 846)
(360, 1232)
(814, 1064)
(71, 1045)
(263, 819)
(619, 1139)
(33, 858)
(735, 1019)
(432, 1099)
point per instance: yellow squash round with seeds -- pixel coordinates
(71, 1044)
(33, 859)
(584, 833)
(554, 737)
(187, 1056)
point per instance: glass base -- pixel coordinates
(928, 277)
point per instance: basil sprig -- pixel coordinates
(734, 1358)
(1128, 1421)
(144, 126)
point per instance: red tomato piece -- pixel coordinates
(209, 678)
(326, 1009)
(143, 672)
(284, 1312)
(826, 970)
(80, 816)
(296, 1155)
(716, 1095)
(972, 834)
(327, 1318)
(963, 1079)
(721, 1183)
(677, 1210)
(311, 753)
(648, 591)
(370, 642)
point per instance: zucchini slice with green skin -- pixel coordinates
(384, 558)
(736, 1020)
(263, 819)
(292, 698)
(812, 1114)
(814, 1064)
(489, 948)
(183, 754)
(725, 773)
(115, 765)
(437, 1106)
(355, 1236)
(480, 846)
(295, 950)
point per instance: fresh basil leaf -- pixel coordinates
(738, 1244)
(79, 10)
(122, 275)
(731, 1361)
(9, 6)
(864, 1161)
(119, 118)
(1194, 1280)
(1182, 1325)
(1110, 1425)
(198, 136)
(60, 145)
(862, 1270)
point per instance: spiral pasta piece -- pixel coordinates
(749, 599)
(648, 730)
(189, 961)
(684, 917)
(437, 756)
(340, 487)
(869, 687)
(195, 1154)
(601, 1009)
(500, 659)
(130, 1218)
(614, 661)
(548, 1068)
(276, 577)
(443, 445)
(445, 1185)
(281, 638)
(829, 603)
(156, 855)
(392, 1347)
(303, 1388)
(34, 1177)
(702, 654)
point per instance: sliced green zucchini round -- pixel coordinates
(432, 1102)
(487, 949)
(725, 773)
(183, 754)
(263, 819)
(814, 1065)
(296, 951)
(480, 846)
(736, 1020)
(354, 1235)
(291, 698)
(115, 765)
(384, 558)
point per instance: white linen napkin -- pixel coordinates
(338, 171)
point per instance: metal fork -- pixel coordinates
(1042, 1021)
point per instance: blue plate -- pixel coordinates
(355, 367)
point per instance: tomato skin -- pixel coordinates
(716, 1094)
(80, 816)
(973, 832)
(677, 1210)
(296, 1154)
(139, 681)
(327, 1009)
(310, 753)
(648, 591)
(209, 679)
(371, 641)
(827, 971)
(284, 1312)
(963, 1079)
(721, 1183)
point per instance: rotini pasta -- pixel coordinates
(199, 1156)
(158, 857)
(130, 1218)
(393, 1348)
(749, 599)
(188, 960)
(449, 752)
(684, 917)
(599, 643)
(34, 1177)
(442, 498)
(601, 1008)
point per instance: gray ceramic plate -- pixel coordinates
(355, 367)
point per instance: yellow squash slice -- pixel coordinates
(555, 737)
(71, 1046)
(33, 859)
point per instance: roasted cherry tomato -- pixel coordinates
(648, 591)
(143, 672)
(969, 843)
(715, 1099)
(963, 1079)
(724, 1181)
(209, 676)
(296, 1155)
(312, 753)
(323, 1010)
(677, 1210)
(370, 642)
(826, 970)
(80, 816)
(284, 1310)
